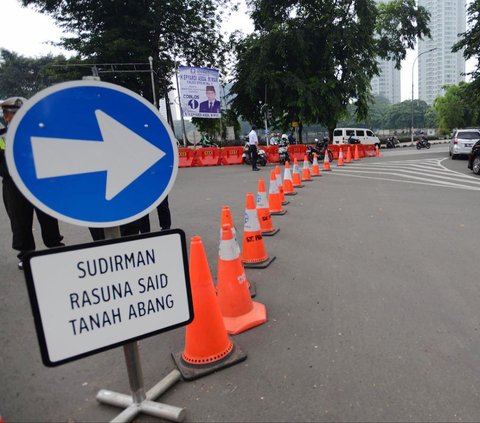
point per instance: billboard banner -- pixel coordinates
(199, 92)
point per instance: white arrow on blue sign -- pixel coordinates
(91, 153)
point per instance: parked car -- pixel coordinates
(462, 142)
(474, 159)
(363, 135)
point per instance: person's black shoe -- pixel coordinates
(20, 265)
(256, 169)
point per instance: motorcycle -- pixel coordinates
(320, 148)
(392, 142)
(205, 142)
(283, 152)
(262, 156)
(423, 143)
(353, 140)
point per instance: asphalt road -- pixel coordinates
(373, 305)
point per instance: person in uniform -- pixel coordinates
(252, 146)
(20, 211)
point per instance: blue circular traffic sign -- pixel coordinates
(91, 153)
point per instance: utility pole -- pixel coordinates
(413, 67)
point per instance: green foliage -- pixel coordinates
(396, 21)
(430, 118)
(383, 115)
(400, 115)
(25, 76)
(214, 127)
(459, 107)
(470, 40)
(316, 57)
(130, 31)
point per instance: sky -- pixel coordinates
(29, 33)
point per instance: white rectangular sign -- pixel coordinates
(199, 92)
(92, 297)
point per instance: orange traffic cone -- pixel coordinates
(263, 211)
(349, 155)
(340, 157)
(287, 181)
(377, 151)
(315, 167)
(238, 310)
(297, 182)
(274, 199)
(356, 155)
(326, 162)
(208, 347)
(227, 219)
(278, 176)
(306, 170)
(254, 252)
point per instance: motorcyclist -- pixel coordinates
(273, 140)
(353, 140)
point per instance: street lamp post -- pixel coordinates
(413, 67)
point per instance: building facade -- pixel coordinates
(440, 66)
(387, 84)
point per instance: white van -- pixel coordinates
(364, 135)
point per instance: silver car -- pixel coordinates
(462, 142)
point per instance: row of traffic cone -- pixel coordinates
(230, 309)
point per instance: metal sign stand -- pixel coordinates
(139, 401)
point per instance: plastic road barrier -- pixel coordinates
(208, 156)
(186, 157)
(272, 154)
(297, 151)
(231, 155)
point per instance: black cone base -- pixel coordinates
(191, 372)
(262, 265)
(271, 233)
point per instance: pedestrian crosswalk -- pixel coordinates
(419, 171)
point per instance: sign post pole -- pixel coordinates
(140, 402)
(68, 155)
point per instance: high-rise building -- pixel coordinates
(387, 84)
(440, 66)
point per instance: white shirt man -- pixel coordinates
(252, 137)
(252, 146)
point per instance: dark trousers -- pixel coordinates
(253, 155)
(141, 225)
(164, 217)
(20, 211)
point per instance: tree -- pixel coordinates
(458, 107)
(399, 115)
(469, 40)
(130, 31)
(25, 76)
(317, 56)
